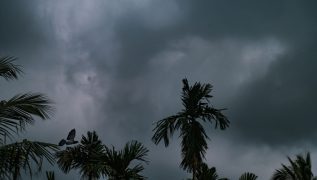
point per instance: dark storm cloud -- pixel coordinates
(280, 107)
(22, 28)
(292, 22)
(289, 20)
(116, 67)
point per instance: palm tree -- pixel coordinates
(118, 162)
(299, 169)
(15, 114)
(94, 159)
(86, 156)
(24, 155)
(20, 110)
(206, 173)
(248, 176)
(197, 109)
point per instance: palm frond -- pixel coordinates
(300, 168)
(118, 162)
(21, 110)
(165, 128)
(25, 155)
(9, 70)
(248, 176)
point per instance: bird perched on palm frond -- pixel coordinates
(70, 139)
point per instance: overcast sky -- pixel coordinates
(115, 66)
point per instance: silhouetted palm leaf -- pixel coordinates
(8, 70)
(25, 155)
(248, 176)
(118, 162)
(197, 109)
(206, 173)
(20, 110)
(299, 169)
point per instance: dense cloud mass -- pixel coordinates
(116, 67)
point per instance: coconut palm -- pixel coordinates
(20, 110)
(86, 156)
(15, 114)
(24, 155)
(248, 176)
(299, 169)
(119, 163)
(197, 109)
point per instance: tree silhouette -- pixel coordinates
(248, 176)
(206, 173)
(299, 169)
(8, 69)
(118, 163)
(197, 109)
(86, 156)
(20, 110)
(94, 159)
(15, 114)
(24, 155)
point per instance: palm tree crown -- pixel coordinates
(248, 176)
(299, 169)
(197, 109)
(94, 159)
(206, 173)
(85, 156)
(118, 163)
(24, 155)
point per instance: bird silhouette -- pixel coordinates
(70, 139)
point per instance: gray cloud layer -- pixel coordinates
(116, 67)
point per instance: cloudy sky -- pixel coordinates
(115, 66)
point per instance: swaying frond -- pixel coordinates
(299, 169)
(118, 162)
(165, 129)
(20, 110)
(25, 155)
(197, 109)
(248, 176)
(9, 70)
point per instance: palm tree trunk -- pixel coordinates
(90, 176)
(195, 168)
(15, 173)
